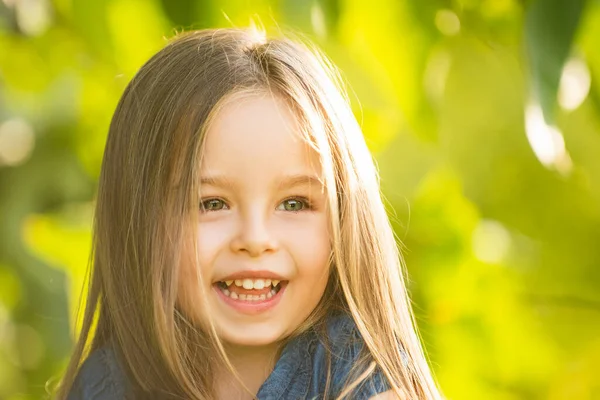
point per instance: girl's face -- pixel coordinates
(263, 240)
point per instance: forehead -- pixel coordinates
(257, 137)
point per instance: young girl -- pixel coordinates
(241, 247)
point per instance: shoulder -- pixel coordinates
(344, 348)
(99, 377)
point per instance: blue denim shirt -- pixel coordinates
(300, 372)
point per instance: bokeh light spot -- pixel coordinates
(16, 141)
(546, 141)
(574, 84)
(447, 22)
(491, 242)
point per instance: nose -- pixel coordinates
(254, 237)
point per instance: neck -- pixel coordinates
(253, 365)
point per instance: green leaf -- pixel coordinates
(550, 27)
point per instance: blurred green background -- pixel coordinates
(483, 115)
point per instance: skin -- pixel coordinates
(248, 221)
(389, 395)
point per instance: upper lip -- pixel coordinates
(252, 274)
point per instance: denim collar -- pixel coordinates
(292, 372)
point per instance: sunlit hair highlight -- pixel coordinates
(148, 194)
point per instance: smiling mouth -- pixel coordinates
(250, 290)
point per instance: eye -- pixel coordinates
(213, 205)
(293, 205)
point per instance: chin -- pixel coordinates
(247, 335)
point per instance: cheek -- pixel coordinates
(212, 237)
(210, 240)
(309, 246)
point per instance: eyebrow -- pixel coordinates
(218, 181)
(285, 182)
(291, 181)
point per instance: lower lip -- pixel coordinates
(254, 307)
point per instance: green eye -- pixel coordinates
(292, 205)
(213, 205)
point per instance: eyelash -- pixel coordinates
(307, 204)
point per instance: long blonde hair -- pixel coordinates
(148, 187)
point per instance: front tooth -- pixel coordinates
(267, 282)
(248, 284)
(259, 284)
(228, 283)
(275, 282)
(255, 297)
(242, 296)
(238, 282)
(263, 296)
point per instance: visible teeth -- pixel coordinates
(249, 297)
(253, 283)
(259, 284)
